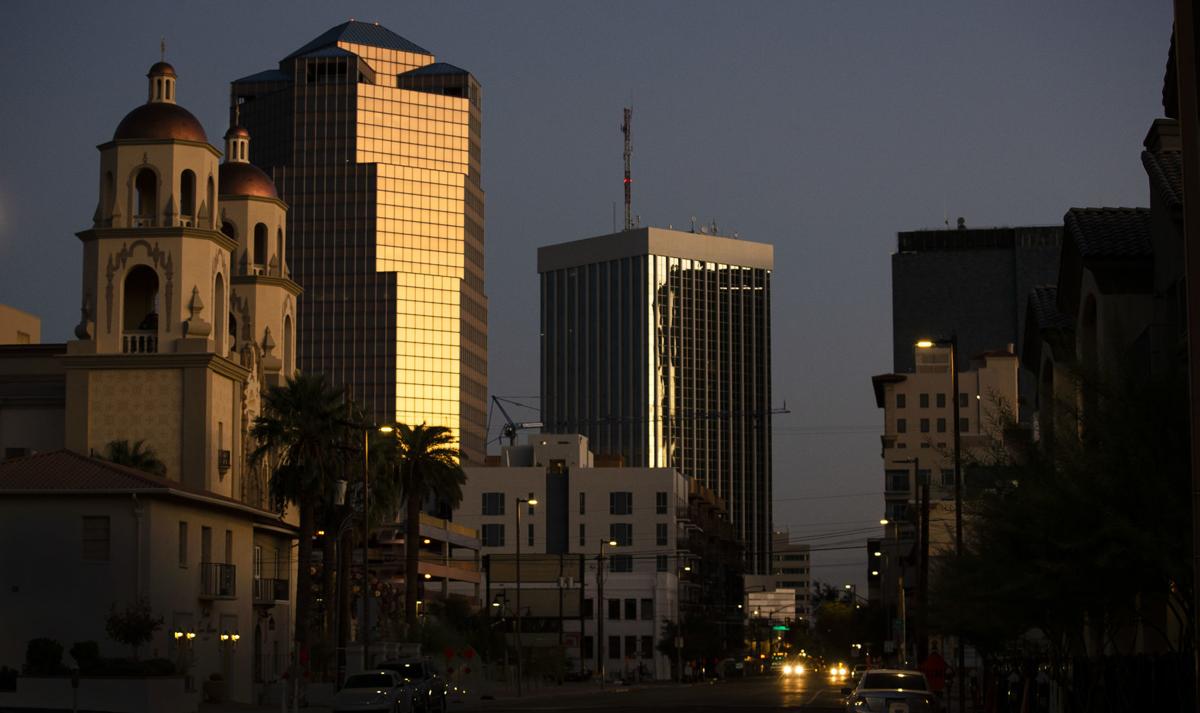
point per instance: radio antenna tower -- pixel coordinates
(628, 180)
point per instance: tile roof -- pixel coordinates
(360, 33)
(1165, 169)
(1107, 233)
(437, 68)
(67, 470)
(1043, 301)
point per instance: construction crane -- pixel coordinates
(510, 427)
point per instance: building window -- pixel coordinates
(531, 534)
(582, 535)
(947, 477)
(493, 535)
(901, 400)
(589, 648)
(622, 533)
(493, 503)
(183, 544)
(614, 647)
(589, 609)
(614, 609)
(962, 400)
(924, 425)
(23, 337)
(15, 453)
(582, 503)
(96, 538)
(901, 425)
(620, 503)
(660, 503)
(660, 534)
(897, 481)
(964, 425)
(229, 547)
(647, 647)
(924, 400)
(941, 401)
(660, 563)
(630, 647)
(620, 563)
(941, 425)
(631, 610)
(647, 610)
(258, 561)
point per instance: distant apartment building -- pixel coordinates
(918, 444)
(377, 148)
(652, 573)
(656, 345)
(973, 282)
(19, 327)
(790, 567)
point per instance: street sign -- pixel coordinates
(779, 627)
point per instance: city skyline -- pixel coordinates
(1037, 155)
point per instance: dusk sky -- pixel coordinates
(821, 127)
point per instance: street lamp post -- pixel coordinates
(922, 482)
(952, 342)
(368, 591)
(519, 502)
(600, 607)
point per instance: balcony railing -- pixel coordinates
(218, 581)
(269, 591)
(140, 341)
(144, 221)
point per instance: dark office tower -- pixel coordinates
(656, 345)
(376, 148)
(974, 281)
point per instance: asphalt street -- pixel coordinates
(810, 692)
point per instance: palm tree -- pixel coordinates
(139, 456)
(304, 432)
(425, 466)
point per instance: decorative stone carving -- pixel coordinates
(270, 362)
(273, 266)
(195, 326)
(85, 316)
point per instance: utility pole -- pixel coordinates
(628, 180)
(923, 571)
(961, 658)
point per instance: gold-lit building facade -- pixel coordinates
(376, 147)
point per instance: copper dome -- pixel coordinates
(245, 179)
(160, 120)
(237, 131)
(161, 69)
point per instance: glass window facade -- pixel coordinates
(666, 361)
(381, 170)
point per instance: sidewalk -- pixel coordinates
(508, 694)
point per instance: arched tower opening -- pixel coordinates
(220, 312)
(187, 195)
(289, 365)
(260, 244)
(140, 311)
(146, 187)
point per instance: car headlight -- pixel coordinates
(799, 668)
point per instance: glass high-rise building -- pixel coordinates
(376, 148)
(656, 345)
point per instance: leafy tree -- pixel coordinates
(134, 626)
(136, 455)
(303, 434)
(420, 463)
(1080, 537)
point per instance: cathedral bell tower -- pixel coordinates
(152, 358)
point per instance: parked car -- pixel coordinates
(378, 691)
(887, 689)
(429, 688)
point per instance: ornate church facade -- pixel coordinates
(188, 314)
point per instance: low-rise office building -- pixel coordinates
(603, 604)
